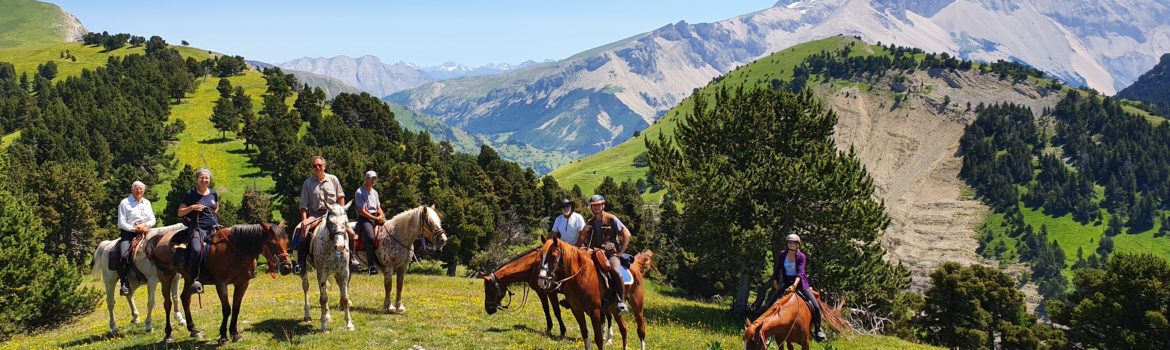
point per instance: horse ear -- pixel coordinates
(747, 322)
(348, 204)
(265, 226)
(543, 238)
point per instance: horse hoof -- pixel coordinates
(134, 320)
(237, 337)
(349, 328)
(168, 340)
(149, 328)
(198, 335)
(222, 341)
(308, 319)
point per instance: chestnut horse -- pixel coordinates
(572, 271)
(231, 260)
(522, 268)
(787, 321)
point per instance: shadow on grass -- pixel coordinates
(370, 310)
(241, 151)
(525, 329)
(216, 140)
(284, 330)
(91, 339)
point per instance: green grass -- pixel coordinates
(617, 162)
(25, 22)
(442, 313)
(26, 58)
(8, 139)
(201, 145)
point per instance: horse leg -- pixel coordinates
(305, 287)
(621, 329)
(169, 284)
(110, 282)
(225, 308)
(186, 298)
(580, 316)
(640, 317)
(598, 335)
(150, 288)
(387, 284)
(342, 278)
(237, 302)
(398, 294)
(174, 297)
(547, 316)
(608, 326)
(133, 307)
(556, 306)
(322, 289)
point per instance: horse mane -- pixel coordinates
(407, 219)
(774, 309)
(643, 262)
(247, 238)
(517, 257)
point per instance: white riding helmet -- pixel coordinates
(793, 237)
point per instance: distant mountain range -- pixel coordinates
(369, 74)
(600, 97)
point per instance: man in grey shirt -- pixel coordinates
(317, 193)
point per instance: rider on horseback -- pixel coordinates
(370, 215)
(198, 210)
(317, 193)
(568, 225)
(606, 232)
(135, 218)
(788, 270)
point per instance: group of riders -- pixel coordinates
(602, 232)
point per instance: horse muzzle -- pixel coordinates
(490, 309)
(285, 269)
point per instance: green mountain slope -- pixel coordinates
(1153, 87)
(27, 22)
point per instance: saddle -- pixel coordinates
(604, 267)
(357, 242)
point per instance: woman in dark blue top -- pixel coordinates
(198, 211)
(788, 270)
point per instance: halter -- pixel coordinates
(500, 290)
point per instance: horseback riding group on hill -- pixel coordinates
(585, 260)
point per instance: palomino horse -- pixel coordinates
(787, 321)
(231, 259)
(394, 240)
(571, 270)
(522, 268)
(101, 268)
(329, 255)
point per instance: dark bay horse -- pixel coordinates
(572, 271)
(231, 260)
(522, 268)
(787, 321)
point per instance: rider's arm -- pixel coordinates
(123, 224)
(581, 235)
(625, 239)
(150, 220)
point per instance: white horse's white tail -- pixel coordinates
(101, 255)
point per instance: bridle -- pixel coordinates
(269, 250)
(548, 276)
(435, 230)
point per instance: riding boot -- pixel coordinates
(302, 258)
(197, 268)
(123, 271)
(619, 292)
(818, 334)
(354, 265)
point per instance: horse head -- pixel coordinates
(494, 293)
(753, 338)
(433, 226)
(551, 258)
(336, 222)
(276, 248)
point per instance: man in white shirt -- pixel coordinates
(135, 217)
(568, 225)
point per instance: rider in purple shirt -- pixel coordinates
(788, 270)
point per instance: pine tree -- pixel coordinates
(225, 117)
(182, 183)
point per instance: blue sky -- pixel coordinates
(422, 32)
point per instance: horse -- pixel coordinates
(583, 288)
(231, 259)
(522, 268)
(787, 321)
(101, 268)
(329, 256)
(394, 239)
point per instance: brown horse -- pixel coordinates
(787, 321)
(522, 268)
(231, 260)
(572, 271)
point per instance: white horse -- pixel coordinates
(395, 246)
(101, 267)
(329, 250)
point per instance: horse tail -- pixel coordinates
(833, 318)
(643, 262)
(100, 254)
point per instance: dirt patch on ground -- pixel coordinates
(910, 148)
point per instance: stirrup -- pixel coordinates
(196, 286)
